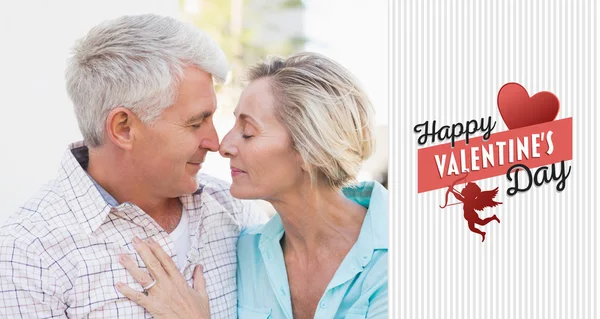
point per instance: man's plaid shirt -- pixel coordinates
(59, 254)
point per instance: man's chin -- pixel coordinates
(194, 185)
(191, 186)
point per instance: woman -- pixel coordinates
(303, 128)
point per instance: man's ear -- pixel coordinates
(119, 124)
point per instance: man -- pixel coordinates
(142, 89)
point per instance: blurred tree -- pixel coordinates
(227, 22)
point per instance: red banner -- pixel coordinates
(533, 146)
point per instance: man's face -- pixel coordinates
(170, 151)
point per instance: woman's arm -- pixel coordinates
(170, 296)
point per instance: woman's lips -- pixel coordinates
(236, 171)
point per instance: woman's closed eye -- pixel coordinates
(247, 132)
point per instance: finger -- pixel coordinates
(133, 295)
(154, 267)
(199, 281)
(138, 274)
(164, 258)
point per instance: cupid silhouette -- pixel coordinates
(473, 199)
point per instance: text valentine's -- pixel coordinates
(514, 153)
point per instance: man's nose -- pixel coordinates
(210, 141)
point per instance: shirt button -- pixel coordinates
(283, 291)
(323, 304)
(364, 261)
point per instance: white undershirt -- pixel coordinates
(181, 238)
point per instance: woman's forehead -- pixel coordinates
(256, 100)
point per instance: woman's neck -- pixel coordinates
(317, 219)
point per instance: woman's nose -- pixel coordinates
(227, 148)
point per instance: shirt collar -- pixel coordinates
(374, 231)
(374, 197)
(81, 195)
(105, 195)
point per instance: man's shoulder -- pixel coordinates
(44, 215)
(218, 189)
(211, 183)
(245, 212)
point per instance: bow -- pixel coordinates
(452, 187)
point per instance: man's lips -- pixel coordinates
(195, 163)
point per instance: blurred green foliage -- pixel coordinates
(225, 21)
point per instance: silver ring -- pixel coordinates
(150, 285)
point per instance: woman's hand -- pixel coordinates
(170, 296)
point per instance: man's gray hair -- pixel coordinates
(135, 62)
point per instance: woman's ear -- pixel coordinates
(119, 127)
(301, 161)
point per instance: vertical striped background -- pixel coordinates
(448, 59)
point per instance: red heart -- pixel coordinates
(519, 110)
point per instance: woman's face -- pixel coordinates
(263, 161)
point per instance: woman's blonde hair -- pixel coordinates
(327, 113)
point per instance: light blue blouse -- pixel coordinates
(359, 288)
